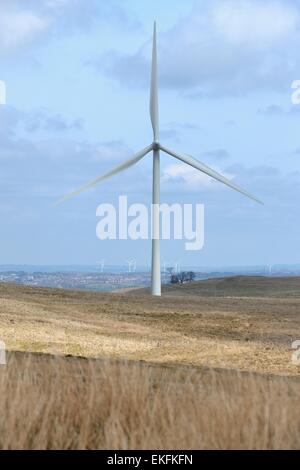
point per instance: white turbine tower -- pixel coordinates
(177, 267)
(101, 264)
(156, 147)
(129, 262)
(133, 265)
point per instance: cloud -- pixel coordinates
(276, 188)
(170, 134)
(279, 190)
(230, 123)
(111, 151)
(217, 154)
(173, 130)
(252, 22)
(260, 171)
(276, 110)
(222, 47)
(191, 179)
(272, 110)
(32, 165)
(19, 27)
(13, 120)
(43, 120)
(23, 23)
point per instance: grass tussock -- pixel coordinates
(65, 403)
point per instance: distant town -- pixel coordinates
(113, 277)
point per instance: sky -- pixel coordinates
(77, 76)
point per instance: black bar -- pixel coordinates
(146, 459)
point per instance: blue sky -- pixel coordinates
(77, 76)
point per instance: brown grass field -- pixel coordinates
(206, 366)
(50, 402)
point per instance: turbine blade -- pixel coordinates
(123, 166)
(153, 92)
(209, 171)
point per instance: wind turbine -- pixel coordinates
(156, 147)
(131, 265)
(165, 264)
(177, 267)
(101, 264)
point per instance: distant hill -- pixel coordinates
(237, 286)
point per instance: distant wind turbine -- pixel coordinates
(131, 265)
(177, 267)
(165, 264)
(101, 264)
(156, 147)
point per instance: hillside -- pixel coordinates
(238, 286)
(188, 325)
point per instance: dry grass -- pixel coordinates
(52, 402)
(240, 286)
(245, 333)
(66, 403)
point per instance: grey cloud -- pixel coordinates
(182, 126)
(173, 130)
(12, 119)
(272, 110)
(48, 167)
(82, 14)
(203, 55)
(256, 172)
(277, 189)
(294, 111)
(170, 134)
(25, 23)
(217, 154)
(44, 120)
(276, 110)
